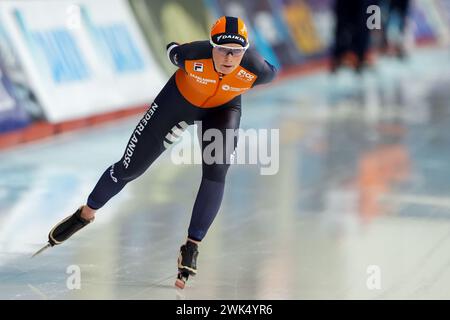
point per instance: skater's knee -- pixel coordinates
(215, 172)
(119, 173)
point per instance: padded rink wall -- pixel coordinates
(64, 67)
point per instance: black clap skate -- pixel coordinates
(187, 263)
(65, 229)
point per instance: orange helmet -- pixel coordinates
(229, 30)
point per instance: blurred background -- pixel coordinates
(359, 208)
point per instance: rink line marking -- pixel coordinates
(421, 200)
(23, 272)
(38, 292)
(153, 285)
(412, 271)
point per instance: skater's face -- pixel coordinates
(227, 57)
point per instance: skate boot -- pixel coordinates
(65, 229)
(187, 263)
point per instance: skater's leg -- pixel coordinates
(168, 111)
(210, 193)
(87, 212)
(144, 146)
(339, 33)
(361, 34)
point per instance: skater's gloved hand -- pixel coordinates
(171, 54)
(173, 43)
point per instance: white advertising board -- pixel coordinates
(82, 58)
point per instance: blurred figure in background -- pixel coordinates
(351, 34)
(396, 13)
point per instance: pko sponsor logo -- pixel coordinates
(226, 87)
(242, 74)
(136, 134)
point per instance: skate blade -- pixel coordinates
(181, 280)
(48, 245)
(180, 284)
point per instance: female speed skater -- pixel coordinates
(211, 77)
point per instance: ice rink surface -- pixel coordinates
(359, 207)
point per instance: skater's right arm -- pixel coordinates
(179, 53)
